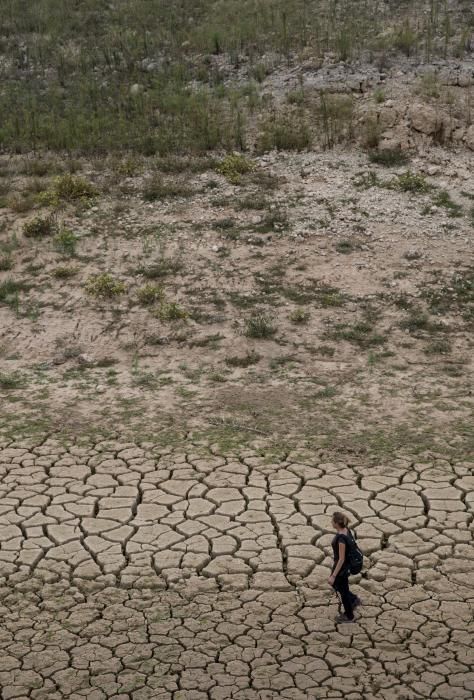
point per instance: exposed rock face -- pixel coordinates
(469, 138)
(425, 119)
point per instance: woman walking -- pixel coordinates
(339, 578)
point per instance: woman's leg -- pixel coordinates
(341, 585)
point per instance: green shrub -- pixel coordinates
(40, 227)
(390, 157)
(233, 166)
(411, 182)
(65, 242)
(71, 188)
(172, 311)
(9, 291)
(149, 294)
(259, 326)
(104, 286)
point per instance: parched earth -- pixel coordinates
(132, 571)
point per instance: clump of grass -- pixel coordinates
(6, 263)
(389, 157)
(325, 351)
(172, 311)
(361, 333)
(411, 182)
(104, 286)
(11, 380)
(457, 294)
(9, 291)
(300, 317)
(233, 166)
(20, 202)
(255, 201)
(365, 181)
(250, 358)
(443, 199)
(150, 294)
(260, 326)
(40, 227)
(345, 247)
(418, 321)
(64, 272)
(65, 242)
(438, 347)
(156, 187)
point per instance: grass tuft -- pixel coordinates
(104, 286)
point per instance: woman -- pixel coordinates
(339, 578)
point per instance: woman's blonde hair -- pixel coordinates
(340, 519)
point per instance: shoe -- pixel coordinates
(356, 602)
(343, 618)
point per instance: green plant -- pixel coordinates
(379, 96)
(259, 326)
(67, 188)
(250, 358)
(150, 294)
(104, 286)
(40, 227)
(419, 321)
(65, 242)
(335, 114)
(162, 268)
(389, 157)
(300, 317)
(438, 347)
(345, 247)
(361, 333)
(9, 292)
(172, 311)
(233, 166)
(411, 182)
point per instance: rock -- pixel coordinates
(136, 89)
(425, 119)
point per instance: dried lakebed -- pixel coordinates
(132, 572)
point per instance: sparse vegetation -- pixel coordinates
(65, 242)
(260, 326)
(388, 157)
(361, 333)
(411, 182)
(150, 294)
(40, 227)
(250, 358)
(156, 187)
(12, 380)
(64, 272)
(300, 317)
(172, 311)
(443, 199)
(284, 132)
(104, 286)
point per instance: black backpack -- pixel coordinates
(355, 558)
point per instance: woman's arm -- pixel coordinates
(340, 562)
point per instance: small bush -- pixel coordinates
(345, 247)
(71, 188)
(251, 358)
(259, 326)
(172, 311)
(300, 317)
(149, 294)
(438, 347)
(40, 227)
(65, 242)
(20, 203)
(411, 182)
(104, 286)
(162, 268)
(390, 157)
(233, 166)
(361, 333)
(419, 321)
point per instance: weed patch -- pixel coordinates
(388, 158)
(65, 242)
(260, 326)
(104, 286)
(234, 166)
(150, 294)
(40, 227)
(250, 358)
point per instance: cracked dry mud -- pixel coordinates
(132, 571)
